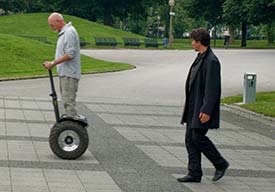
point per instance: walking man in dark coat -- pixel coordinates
(202, 109)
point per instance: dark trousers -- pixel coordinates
(196, 143)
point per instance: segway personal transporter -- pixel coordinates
(68, 137)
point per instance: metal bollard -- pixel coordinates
(249, 92)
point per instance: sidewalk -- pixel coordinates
(133, 147)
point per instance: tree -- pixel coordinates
(183, 24)
(235, 12)
(15, 6)
(263, 12)
(210, 10)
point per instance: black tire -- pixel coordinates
(68, 139)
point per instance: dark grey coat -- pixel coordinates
(203, 93)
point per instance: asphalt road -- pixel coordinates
(159, 76)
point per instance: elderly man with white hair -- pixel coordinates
(67, 61)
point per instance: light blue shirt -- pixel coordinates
(68, 43)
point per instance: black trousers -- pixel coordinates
(198, 143)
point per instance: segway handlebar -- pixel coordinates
(54, 97)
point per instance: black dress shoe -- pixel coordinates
(189, 179)
(219, 173)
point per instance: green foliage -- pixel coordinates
(210, 10)
(182, 23)
(261, 11)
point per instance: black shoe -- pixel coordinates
(219, 173)
(189, 179)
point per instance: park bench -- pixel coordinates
(129, 41)
(105, 41)
(38, 38)
(82, 42)
(151, 43)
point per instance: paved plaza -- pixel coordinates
(133, 147)
(136, 141)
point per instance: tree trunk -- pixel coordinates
(232, 34)
(244, 34)
(215, 35)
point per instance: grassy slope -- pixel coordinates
(20, 57)
(36, 24)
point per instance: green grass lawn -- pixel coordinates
(36, 24)
(265, 103)
(251, 44)
(21, 57)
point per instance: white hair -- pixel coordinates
(56, 15)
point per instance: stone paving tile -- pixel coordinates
(52, 180)
(2, 114)
(96, 107)
(33, 116)
(221, 137)
(170, 156)
(246, 138)
(29, 105)
(14, 114)
(58, 179)
(148, 120)
(110, 119)
(39, 130)
(11, 97)
(134, 109)
(5, 177)
(12, 104)
(1, 102)
(2, 127)
(226, 125)
(49, 115)
(22, 176)
(153, 135)
(161, 156)
(97, 181)
(21, 150)
(228, 184)
(17, 129)
(131, 134)
(44, 105)
(3, 150)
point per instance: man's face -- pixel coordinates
(196, 45)
(54, 24)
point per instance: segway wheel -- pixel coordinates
(68, 139)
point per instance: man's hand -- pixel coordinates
(204, 117)
(48, 64)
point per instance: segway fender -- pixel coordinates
(83, 121)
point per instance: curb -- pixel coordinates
(270, 121)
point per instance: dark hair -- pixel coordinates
(201, 35)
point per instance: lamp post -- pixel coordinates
(171, 13)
